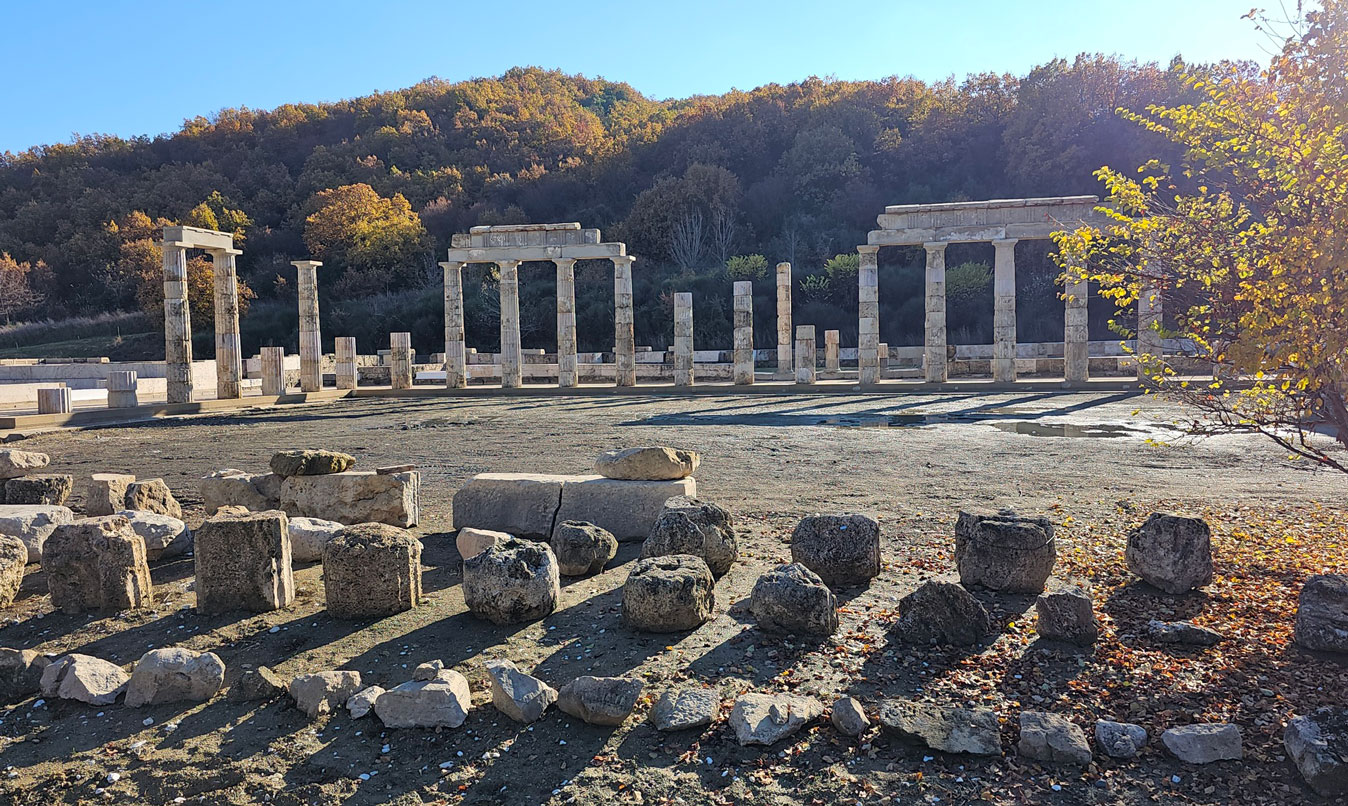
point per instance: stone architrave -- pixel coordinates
(624, 336)
(566, 321)
(868, 313)
(456, 354)
(805, 358)
(311, 339)
(1076, 330)
(683, 339)
(934, 355)
(400, 355)
(785, 365)
(744, 333)
(243, 563)
(177, 322)
(273, 371)
(96, 564)
(1004, 311)
(228, 356)
(832, 358)
(347, 375)
(511, 373)
(122, 390)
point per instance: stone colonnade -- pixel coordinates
(178, 318)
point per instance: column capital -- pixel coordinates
(1005, 243)
(784, 266)
(935, 246)
(564, 260)
(451, 264)
(868, 249)
(623, 260)
(214, 253)
(511, 263)
(306, 264)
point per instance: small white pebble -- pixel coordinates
(147, 721)
(114, 777)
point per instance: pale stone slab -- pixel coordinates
(33, 524)
(627, 509)
(355, 497)
(16, 463)
(521, 504)
(106, 493)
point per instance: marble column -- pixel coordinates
(784, 365)
(400, 360)
(455, 355)
(744, 332)
(54, 400)
(882, 370)
(934, 357)
(1076, 330)
(805, 370)
(1004, 311)
(311, 340)
(683, 339)
(228, 356)
(177, 324)
(566, 321)
(511, 358)
(832, 359)
(273, 371)
(624, 336)
(868, 313)
(122, 390)
(1149, 342)
(347, 374)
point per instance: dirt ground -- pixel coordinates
(911, 461)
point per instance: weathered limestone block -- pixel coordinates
(96, 564)
(849, 717)
(472, 542)
(699, 528)
(1322, 613)
(1182, 632)
(655, 463)
(793, 599)
(1052, 739)
(33, 524)
(258, 492)
(13, 558)
(1067, 614)
(843, 550)
(519, 696)
(164, 536)
(84, 678)
(355, 497)
(308, 536)
(765, 719)
(685, 709)
(626, 509)
(511, 582)
(322, 692)
(362, 702)
(582, 548)
(20, 674)
(310, 463)
(152, 495)
(16, 463)
(1120, 739)
(604, 701)
(521, 504)
(441, 702)
(943, 613)
(255, 685)
(243, 563)
(1318, 744)
(45, 488)
(174, 674)
(106, 493)
(372, 570)
(1004, 552)
(940, 727)
(1170, 552)
(1204, 743)
(669, 594)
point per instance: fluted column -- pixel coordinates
(347, 374)
(228, 357)
(805, 357)
(868, 314)
(122, 390)
(784, 364)
(273, 371)
(311, 339)
(832, 353)
(1004, 311)
(683, 339)
(1149, 341)
(624, 335)
(1076, 330)
(934, 357)
(566, 321)
(455, 354)
(177, 324)
(744, 332)
(511, 374)
(400, 360)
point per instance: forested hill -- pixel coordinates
(376, 185)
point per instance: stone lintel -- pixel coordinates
(484, 228)
(489, 254)
(1042, 201)
(971, 234)
(306, 264)
(197, 238)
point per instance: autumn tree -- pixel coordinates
(376, 243)
(17, 289)
(1247, 243)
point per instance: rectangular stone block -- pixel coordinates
(371, 571)
(628, 509)
(243, 563)
(363, 496)
(522, 504)
(96, 564)
(33, 524)
(106, 493)
(235, 488)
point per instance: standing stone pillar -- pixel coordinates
(744, 332)
(1076, 330)
(273, 371)
(784, 364)
(228, 356)
(683, 339)
(122, 390)
(832, 359)
(1149, 341)
(566, 321)
(511, 373)
(346, 362)
(934, 357)
(400, 360)
(868, 313)
(177, 324)
(54, 400)
(1004, 311)
(311, 340)
(624, 336)
(882, 370)
(455, 355)
(805, 371)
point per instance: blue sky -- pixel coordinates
(126, 68)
